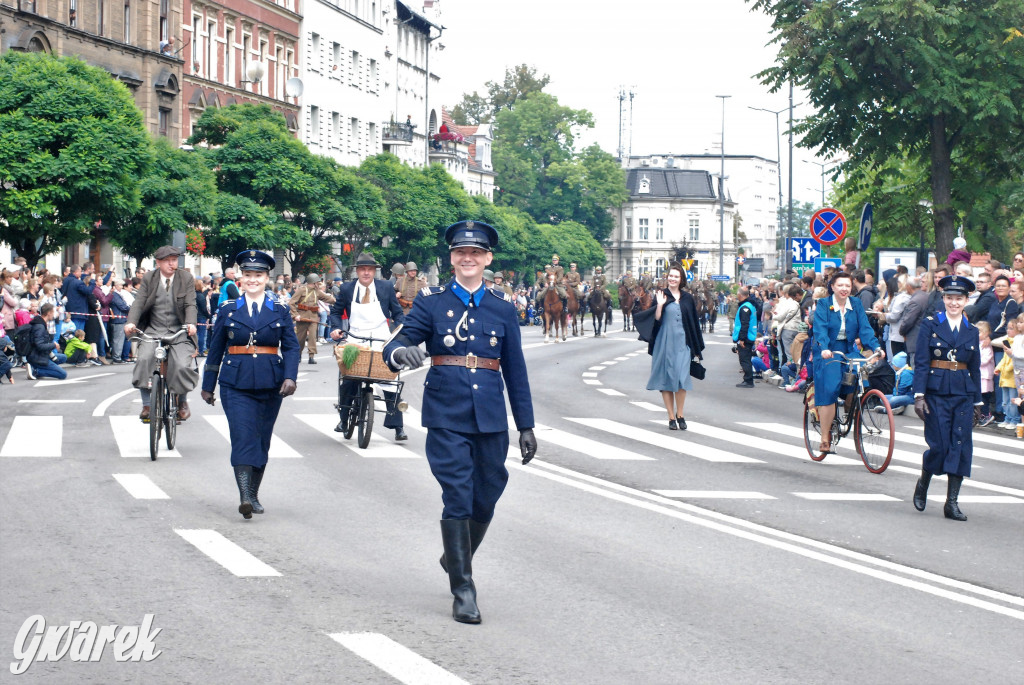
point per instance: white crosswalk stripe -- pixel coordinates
(983, 452)
(648, 406)
(712, 494)
(226, 553)
(278, 448)
(611, 391)
(398, 661)
(1013, 445)
(591, 448)
(379, 447)
(132, 438)
(140, 486)
(847, 496)
(763, 444)
(34, 436)
(664, 441)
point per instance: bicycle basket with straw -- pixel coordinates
(362, 362)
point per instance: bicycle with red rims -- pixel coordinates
(870, 417)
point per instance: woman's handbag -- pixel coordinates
(697, 370)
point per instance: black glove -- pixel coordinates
(287, 387)
(527, 444)
(920, 407)
(207, 397)
(409, 357)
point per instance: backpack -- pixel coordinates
(23, 340)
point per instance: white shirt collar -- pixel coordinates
(954, 323)
(847, 307)
(249, 302)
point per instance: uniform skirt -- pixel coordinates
(828, 373)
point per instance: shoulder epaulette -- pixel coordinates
(931, 318)
(500, 294)
(431, 290)
(224, 303)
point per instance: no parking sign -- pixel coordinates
(828, 226)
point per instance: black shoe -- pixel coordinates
(312, 361)
(400, 435)
(243, 478)
(952, 509)
(921, 491)
(459, 559)
(340, 428)
(672, 425)
(257, 478)
(744, 385)
(682, 422)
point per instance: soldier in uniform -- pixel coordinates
(305, 312)
(397, 271)
(646, 281)
(554, 276)
(500, 284)
(408, 286)
(254, 355)
(472, 336)
(600, 283)
(947, 393)
(628, 281)
(488, 278)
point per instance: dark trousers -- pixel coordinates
(251, 417)
(470, 467)
(347, 396)
(745, 353)
(201, 334)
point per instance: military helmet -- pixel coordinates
(397, 269)
(488, 275)
(411, 266)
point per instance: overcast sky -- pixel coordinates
(676, 55)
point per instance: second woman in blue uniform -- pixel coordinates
(254, 354)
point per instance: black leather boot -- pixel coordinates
(952, 510)
(921, 491)
(457, 550)
(243, 477)
(254, 490)
(477, 531)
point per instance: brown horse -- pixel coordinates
(553, 314)
(573, 303)
(626, 305)
(600, 312)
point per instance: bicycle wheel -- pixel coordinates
(812, 432)
(156, 413)
(170, 418)
(876, 431)
(365, 418)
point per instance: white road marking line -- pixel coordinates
(132, 438)
(34, 436)
(226, 553)
(586, 374)
(772, 537)
(48, 383)
(847, 496)
(609, 363)
(794, 432)
(592, 381)
(279, 449)
(397, 660)
(979, 436)
(612, 392)
(632, 354)
(103, 405)
(665, 441)
(597, 368)
(591, 448)
(980, 499)
(1011, 457)
(379, 447)
(766, 445)
(712, 494)
(622, 359)
(49, 401)
(650, 406)
(140, 486)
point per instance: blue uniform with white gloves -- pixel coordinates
(249, 381)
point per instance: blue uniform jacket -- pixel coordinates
(826, 325)
(235, 326)
(461, 399)
(385, 294)
(935, 342)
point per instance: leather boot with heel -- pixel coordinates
(477, 531)
(257, 478)
(243, 477)
(921, 491)
(459, 559)
(952, 509)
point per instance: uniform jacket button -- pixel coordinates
(475, 386)
(472, 337)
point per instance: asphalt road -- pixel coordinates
(624, 552)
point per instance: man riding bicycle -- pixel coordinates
(164, 302)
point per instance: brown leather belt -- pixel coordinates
(308, 307)
(949, 366)
(404, 302)
(251, 349)
(470, 362)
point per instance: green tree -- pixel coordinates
(178, 192)
(519, 82)
(240, 224)
(929, 79)
(575, 242)
(72, 147)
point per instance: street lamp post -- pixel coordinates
(778, 164)
(823, 170)
(721, 197)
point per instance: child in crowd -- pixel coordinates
(988, 367)
(22, 316)
(760, 361)
(79, 352)
(1004, 370)
(903, 393)
(1017, 352)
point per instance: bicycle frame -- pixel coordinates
(360, 407)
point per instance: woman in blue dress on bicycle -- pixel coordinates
(839, 321)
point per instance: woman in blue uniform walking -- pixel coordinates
(254, 354)
(947, 393)
(839, 321)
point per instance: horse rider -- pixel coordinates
(599, 283)
(574, 279)
(305, 310)
(646, 281)
(554, 277)
(500, 284)
(408, 286)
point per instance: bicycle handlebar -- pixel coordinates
(167, 340)
(856, 360)
(349, 334)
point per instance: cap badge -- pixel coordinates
(252, 253)
(469, 225)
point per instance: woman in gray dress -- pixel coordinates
(676, 341)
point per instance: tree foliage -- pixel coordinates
(936, 82)
(519, 82)
(72, 147)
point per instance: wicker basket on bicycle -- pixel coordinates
(366, 364)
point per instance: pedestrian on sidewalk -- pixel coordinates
(44, 357)
(744, 333)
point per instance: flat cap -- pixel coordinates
(166, 251)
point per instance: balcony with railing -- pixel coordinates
(395, 133)
(445, 150)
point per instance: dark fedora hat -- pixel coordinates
(366, 259)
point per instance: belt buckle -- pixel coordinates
(472, 357)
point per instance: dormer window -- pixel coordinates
(645, 185)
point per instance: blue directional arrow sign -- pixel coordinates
(866, 218)
(804, 250)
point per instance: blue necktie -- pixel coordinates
(254, 311)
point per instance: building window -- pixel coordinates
(694, 235)
(659, 233)
(355, 69)
(372, 137)
(195, 44)
(280, 71)
(335, 58)
(246, 42)
(229, 57)
(101, 5)
(127, 21)
(164, 115)
(353, 128)
(263, 61)
(73, 13)
(659, 268)
(211, 55)
(314, 125)
(164, 25)
(642, 230)
(629, 228)
(373, 75)
(336, 129)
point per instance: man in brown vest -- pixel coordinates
(408, 286)
(306, 312)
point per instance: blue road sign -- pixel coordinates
(720, 277)
(821, 262)
(828, 226)
(804, 250)
(866, 218)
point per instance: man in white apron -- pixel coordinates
(367, 307)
